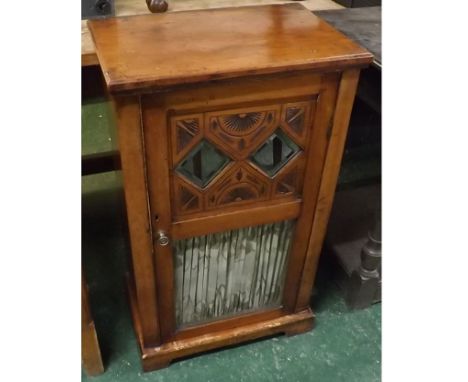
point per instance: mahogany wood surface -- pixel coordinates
(154, 117)
(139, 7)
(157, 110)
(314, 173)
(158, 357)
(270, 212)
(139, 222)
(265, 68)
(228, 322)
(173, 48)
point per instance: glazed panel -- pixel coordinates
(230, 273)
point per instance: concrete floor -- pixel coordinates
(344, 346)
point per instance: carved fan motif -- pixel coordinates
(238, 193)
(239, 131)
(241, 184)
(240, 124)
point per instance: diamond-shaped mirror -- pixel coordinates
(202, 164)
(275, 153)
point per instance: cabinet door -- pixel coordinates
(233, 174)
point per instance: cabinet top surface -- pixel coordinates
(159, 50)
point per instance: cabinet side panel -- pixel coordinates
(139, 225)
(344, 104)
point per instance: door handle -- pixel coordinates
(163, 240)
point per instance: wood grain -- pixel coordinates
(344, 104)
(239, 92)
(314, 168)
(158, 357)
(286, 37)
(138, 7)
(242, 178)
(157, 111)
(226, 74)
(139, 223)
(157, 155)
(227, 323)
(226, 220)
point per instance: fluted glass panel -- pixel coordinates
(231, 272)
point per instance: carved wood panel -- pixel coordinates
(251, 155)
(188, 198)
(295, 117)
(186, 132)
(241, 184)
(239, 131)
(289, 179)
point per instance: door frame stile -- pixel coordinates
(130, 130)
(317, 147)
(155, 130)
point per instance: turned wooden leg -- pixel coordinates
(365, 283)
(157, 6)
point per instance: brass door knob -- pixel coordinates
(163, 240)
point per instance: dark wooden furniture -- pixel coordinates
(97, 8)
(354, 232)
(359, 3)
(100, 162)
(157, 6)
(90, 351)
(231, 133)
(353, 244)
(366, 281)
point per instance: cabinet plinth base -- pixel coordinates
(154, 358)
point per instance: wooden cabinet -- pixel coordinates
(231, 127)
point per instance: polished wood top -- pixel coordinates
(160, 50)
(138, 7)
